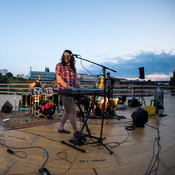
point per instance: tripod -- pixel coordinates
(142, 98)
(99, 139)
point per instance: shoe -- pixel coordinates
(76, 134)
(64, 131)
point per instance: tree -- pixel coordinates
(0, 77)
(9, 75)
(4, 79)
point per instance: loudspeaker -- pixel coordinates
(142, 74)
(140, 117)
(7, 107)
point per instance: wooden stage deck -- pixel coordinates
(132, 150)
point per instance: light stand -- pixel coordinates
(100, 139)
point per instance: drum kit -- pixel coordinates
(43, 102)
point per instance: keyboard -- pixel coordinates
(74, 92)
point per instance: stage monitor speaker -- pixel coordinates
(7, 107)
(142, 74)
(140, 117)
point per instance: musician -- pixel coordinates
(109, 85)
(37, 82)
(66, 78)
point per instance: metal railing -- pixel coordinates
(119, 90)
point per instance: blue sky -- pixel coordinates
(121, 34)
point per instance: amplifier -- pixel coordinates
(7, 107)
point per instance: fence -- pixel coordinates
(119, 90)
(139, 90)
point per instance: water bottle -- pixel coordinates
(24, 109)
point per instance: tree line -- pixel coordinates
(9, 78)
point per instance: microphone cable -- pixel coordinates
(85, 68)
(11, 151)
(89, 71)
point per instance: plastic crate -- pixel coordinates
(151, 110)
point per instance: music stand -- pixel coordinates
(99, 139)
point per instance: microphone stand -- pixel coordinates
(100, 139)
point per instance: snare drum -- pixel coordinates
(47, 108)
(48, 91)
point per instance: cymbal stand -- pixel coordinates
(36, 104)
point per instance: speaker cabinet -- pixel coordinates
(142, 73)
(140, 117)
(7, 107)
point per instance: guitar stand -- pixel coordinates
(79, 140)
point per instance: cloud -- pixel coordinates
(160, 77)
(156, 65)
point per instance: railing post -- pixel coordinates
(8, 89)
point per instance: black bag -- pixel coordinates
(134, 102)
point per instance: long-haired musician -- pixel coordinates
(66, 78)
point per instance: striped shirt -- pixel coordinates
(66, 74)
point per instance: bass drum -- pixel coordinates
(47, 108)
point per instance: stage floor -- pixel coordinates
(41, 147)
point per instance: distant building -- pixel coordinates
(45, 77)
(22, 76)
(3, 71)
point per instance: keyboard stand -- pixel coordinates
(84, 125)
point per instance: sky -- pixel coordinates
(122, 35)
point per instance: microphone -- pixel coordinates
(75, 55)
